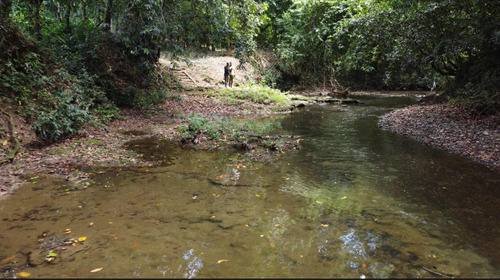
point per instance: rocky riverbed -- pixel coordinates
(450, 128)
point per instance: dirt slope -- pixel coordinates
(207, 71)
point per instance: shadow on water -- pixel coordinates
(354, 201)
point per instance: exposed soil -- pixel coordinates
(208, 71)
(449, 128)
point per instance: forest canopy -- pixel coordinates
(92, 56)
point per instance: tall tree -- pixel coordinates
(108, 15)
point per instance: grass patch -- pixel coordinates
(91, 142)
(224, 128)
(256, 93)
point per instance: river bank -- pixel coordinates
(449, 128)
(98, 148)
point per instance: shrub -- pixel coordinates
(256, 93)
(220, 128)
(67, 119)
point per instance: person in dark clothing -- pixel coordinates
(226, 74)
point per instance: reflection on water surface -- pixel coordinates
(354, 202)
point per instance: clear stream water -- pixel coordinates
(353, 202)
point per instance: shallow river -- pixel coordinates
(353, 202)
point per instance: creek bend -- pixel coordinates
(355, 201)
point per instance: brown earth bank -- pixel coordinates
(449, 128)
(72, 161)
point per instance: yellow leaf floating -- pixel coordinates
(344, 197)
(96, 269)
(24, 274)
(4, 143)
(81, 239)
(222, 261)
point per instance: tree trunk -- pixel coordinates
(67, 17)
(228, 36)
(108, 15)
(59, 12)
(13, 139)
(37, 20)
(84, 11)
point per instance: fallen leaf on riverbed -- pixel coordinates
(9, 259)
(4, 143)
(24, 274)
(222, 261)
(81, 239)
(272, 245)
(96, 269)
(218, 178)
(344, 197)
(134, 245)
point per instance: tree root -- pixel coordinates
(13, 139)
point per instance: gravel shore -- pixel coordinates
(449, 128)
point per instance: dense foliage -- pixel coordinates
(397, 44)
(68, 62)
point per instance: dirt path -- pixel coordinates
(207, 71)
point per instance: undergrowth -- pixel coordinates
(255, 92)
(76, 79)
(224, 128)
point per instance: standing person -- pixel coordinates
(232, 73)
(226, 74)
